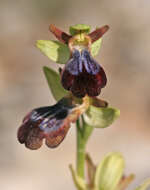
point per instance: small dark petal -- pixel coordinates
(60, 35)
(34, 139)
(98, 33)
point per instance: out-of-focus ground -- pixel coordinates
(125, 55)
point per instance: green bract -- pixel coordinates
(100, 117)
(79, 182)
(53, 80)
(54, 50)
(95, 47)
(109, 172)
(91, 168)
(79, 28)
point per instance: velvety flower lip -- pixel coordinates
(82, 75)
(49, 122)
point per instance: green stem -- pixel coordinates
(83, 134)
(80, 152)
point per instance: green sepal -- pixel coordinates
(78, 181)
(144, 186)
(54, 50)
(100, 117)
(95, 47)
(53, 80)
(79, 28)
(109, 172)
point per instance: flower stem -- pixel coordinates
(80, 152)
(83, 134)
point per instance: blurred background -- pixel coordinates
(125, 56)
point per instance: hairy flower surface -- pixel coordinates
(82, 75)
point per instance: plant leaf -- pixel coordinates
(79, 28)
(95, 47)
(144, 186)
(53, 80)
(109, 172)
(78, 181)
(100, 117)
(54, 50)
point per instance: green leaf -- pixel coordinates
(78, 181)
(79, 28)
(95, 47)
(54, 83)
(100, 117)
(144, 186)
(54, 50)
(109, 172)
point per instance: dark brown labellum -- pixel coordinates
(82, 75)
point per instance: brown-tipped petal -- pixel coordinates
(60, 35)
(34, 139)
(98, 33)
(24, 129)
(53, 140)
(22, 134)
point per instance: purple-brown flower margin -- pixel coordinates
(50, 123)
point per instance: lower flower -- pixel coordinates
(50, 123)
